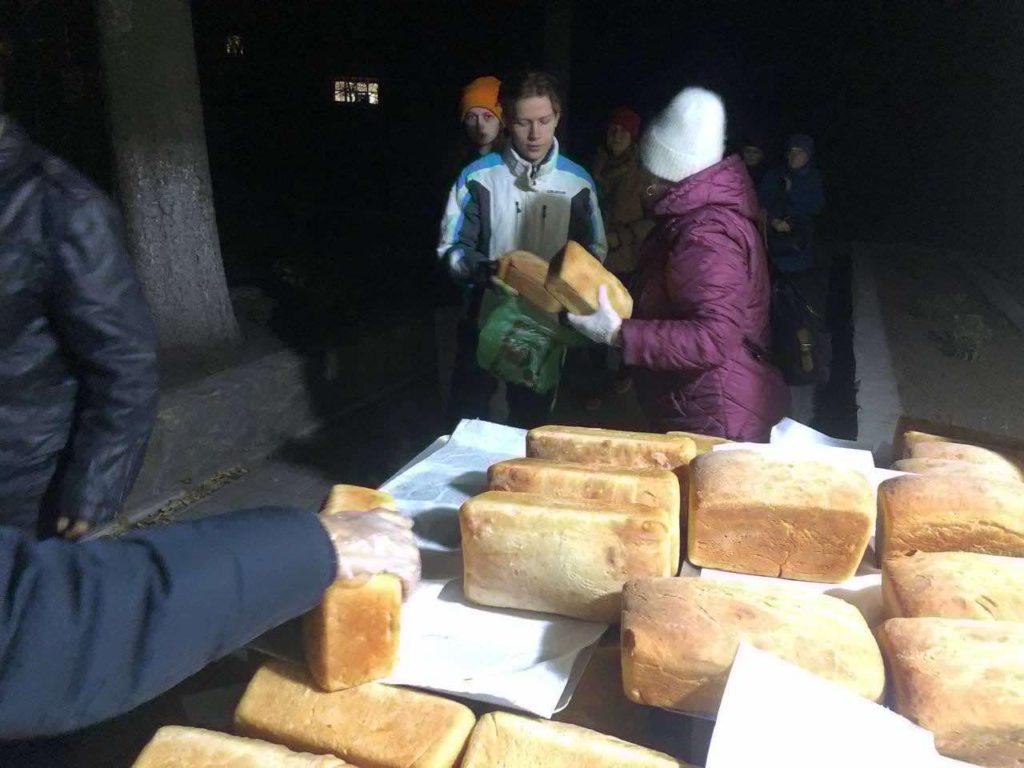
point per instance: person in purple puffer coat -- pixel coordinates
(700, 329)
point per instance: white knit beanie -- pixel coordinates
(687, 137)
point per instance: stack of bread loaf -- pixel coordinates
(569, 282)
(592, 524)
(951, 542)
(562, 530)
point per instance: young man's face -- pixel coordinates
(533, 127)
(482, 126)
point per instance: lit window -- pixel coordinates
(234, 46)
(357, 90)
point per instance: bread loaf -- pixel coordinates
(356, 498)
(372, 725)
(704, 443)
(939, 513)
(526, 273)
(963, 680)
(352, 636)
(525, 551)
(177, 747)
(913, 438)
(502, 740)
(972, 454)
(755, 513)
(609, 447)
(600, 704)
(558, 480)
(574, 277)
(680, 636)
(954, 585)
(954, 467)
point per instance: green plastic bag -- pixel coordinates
(523, 345)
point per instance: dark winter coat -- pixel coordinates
(701, 307)
(78, 379)
(798, 205)
(621, 182)
(92, 630)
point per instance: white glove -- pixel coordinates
(379, 541)
(604, 326)
(458, 266)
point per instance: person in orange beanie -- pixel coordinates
(483, 132)
(480, 113)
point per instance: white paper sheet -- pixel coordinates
(774, 713)
(790, 432)
(518, 659)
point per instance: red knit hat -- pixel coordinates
(627, 119)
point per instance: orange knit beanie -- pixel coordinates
(482, 92)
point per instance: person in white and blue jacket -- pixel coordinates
(529, 197)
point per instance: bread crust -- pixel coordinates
(680, 637)
(964, 681)
(768, 516)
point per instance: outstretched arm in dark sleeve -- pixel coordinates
(91, 630)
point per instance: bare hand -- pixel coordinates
(379, 541)
(72, 530)
(780, 225)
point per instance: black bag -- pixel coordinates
(801, 343)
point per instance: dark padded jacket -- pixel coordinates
(78, 378)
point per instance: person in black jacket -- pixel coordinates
(92, 629)
(78, 376)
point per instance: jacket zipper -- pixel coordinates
(543, 221)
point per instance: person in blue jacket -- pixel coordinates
(792, 196)
(93, 629)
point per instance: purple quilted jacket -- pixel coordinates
(701, 305)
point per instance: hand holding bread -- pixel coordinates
(378, 541)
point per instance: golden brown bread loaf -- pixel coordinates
(178, 747)
(680, 636)
(940, 513)
(963, 680)
(953, 585)
(502, 740)
(574, 276)
(954, 467)
(372, 725)
(913, 437)
(527, 272)
(356, 498)
(569, 557)
(704, 443)
(560, 480)
(600, 704)
(609, 447)
(352, 636)
(973, 454)
(755, 513)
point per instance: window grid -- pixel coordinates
(357, 90)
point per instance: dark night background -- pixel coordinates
(915, 107)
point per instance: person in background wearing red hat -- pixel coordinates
(621, 181)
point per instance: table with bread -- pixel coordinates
(595, 524)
